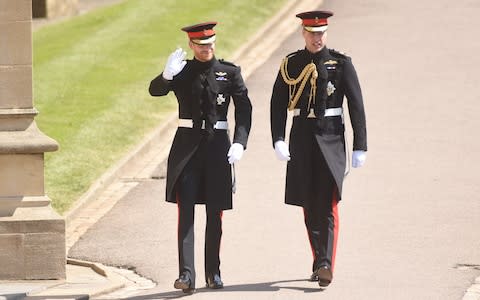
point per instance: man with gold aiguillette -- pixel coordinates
(312, 84)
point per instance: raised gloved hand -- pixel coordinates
(358, 158)
(235, 153)
(281, 150)
(175, 63)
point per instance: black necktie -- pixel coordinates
(208, 101)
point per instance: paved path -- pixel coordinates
(410, 217)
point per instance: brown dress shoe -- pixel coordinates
(324, 275)
(183, 283)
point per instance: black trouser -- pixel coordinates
(321, 215)
(190, 187)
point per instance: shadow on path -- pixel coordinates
(273, 286)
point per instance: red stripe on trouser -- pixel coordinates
(221, 220)
(178, 215)
(336, 224)
(332, 235)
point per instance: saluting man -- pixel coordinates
(199, 163)
(312, 83)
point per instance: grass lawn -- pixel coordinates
(91, 75)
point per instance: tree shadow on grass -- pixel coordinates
(273, 286)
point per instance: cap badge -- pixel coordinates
(330, 88)
(220, 99)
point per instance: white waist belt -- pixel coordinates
(188, 123)
(329, 112)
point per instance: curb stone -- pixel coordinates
(473, 292)
(84, 286)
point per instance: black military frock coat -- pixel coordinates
(337, 78)
(223, 82)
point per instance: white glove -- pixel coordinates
(358, 158)
(281, 150)
(235, 153)
(175, 63)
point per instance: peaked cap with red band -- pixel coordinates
(315, 21)
(202, 33)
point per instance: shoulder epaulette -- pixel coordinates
(338, 54)
(293, 53)
(227, 63)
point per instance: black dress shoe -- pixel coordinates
(183, 283)
(324, 275)
(214, 282)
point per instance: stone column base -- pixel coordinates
(32, 244)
